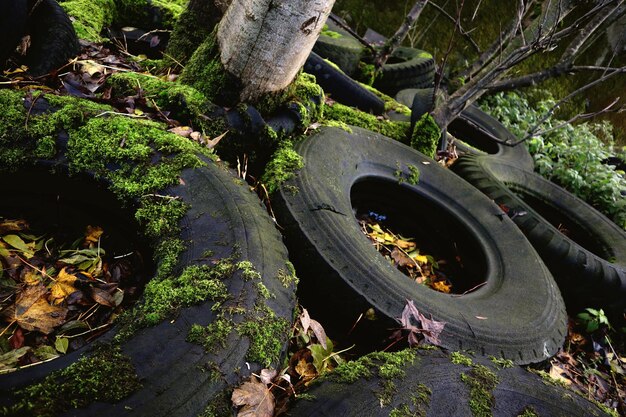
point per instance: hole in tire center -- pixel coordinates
(464, 131)
(560, 221)
(433, 229)
(61, 207)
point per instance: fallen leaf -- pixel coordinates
(17, 339)
(306, 370)
(17, 242)
(33, 312)
(255, 399)
(93, 234)
(213, 142)
(62, 287)
(442, 286)
(305, 320)
(401, 259)
(102, 297)
(7, 226)
(183, 131)
(557, 373)
(319, 332)
(61, 344)
(268, 375)
(10, 359)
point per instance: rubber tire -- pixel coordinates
(12, 28)
(583, 271)
(342, 88)
(53, 39)
(516, 391)
(412, 71)
(345, 51)
(469, 130)
(526, 316)
(224, 218)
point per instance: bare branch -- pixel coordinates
(462, 31)
(457, 25)
(393, 42)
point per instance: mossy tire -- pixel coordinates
(432, 385)
(345, 51)
(518, 314)
(224, 222)
(589, 266)
(406, 68)
(474, 130)
(342, 88)
(53, 39)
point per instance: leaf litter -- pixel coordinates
(55, 297)
(404, 254)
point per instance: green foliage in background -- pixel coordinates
(571, 155)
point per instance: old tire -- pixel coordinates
(223, 220)
(589, 266)
(53, 39)
(342, 88)
(431, 385)
(12, 28)
(345, 51)
(472, 129)
(406, 68)
(525, 314)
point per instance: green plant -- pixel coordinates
(593, 319)
(569, 155)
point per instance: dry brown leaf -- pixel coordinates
(62, 287)
(305, 319)
(7, 226)
(556, 372)
(255, 399)
(405, 244)
(33, 312)
(268, 375)
(102, 297)
(401, 259)
(305, 369)
(319, 332)
(183, 131)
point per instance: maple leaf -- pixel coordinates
(256, 399)
(62, 287)
(430, 329)
(33, 312)
(92, 235)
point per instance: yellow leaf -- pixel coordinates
(31, 277)
(92, 234)
(33, 312)
(405, 245)
(441, 286)
(62, 287)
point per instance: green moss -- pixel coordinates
(420, 401)
(212, 336)
(149, 14)
(107, 375)
(195, 284)
(390, 103)
(24, 134)
(365, 73)
(481, 382)
(132, 146)
(528, 412)
(183, 102)
(387, 393)
(330, 33)
(160, 217)
(265, 332)
(248, 271)
(287, 278)
(460, 359)
(501, 362)
(89, 17)
(414, 176)
(350, 372)
(281, 167)
(206, 73)
(339, 125)
(167, 254)
(426, 135)
(355, 117)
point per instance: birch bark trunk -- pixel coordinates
(264, 43)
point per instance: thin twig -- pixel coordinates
(348, 29)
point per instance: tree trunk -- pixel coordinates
(264, 43)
